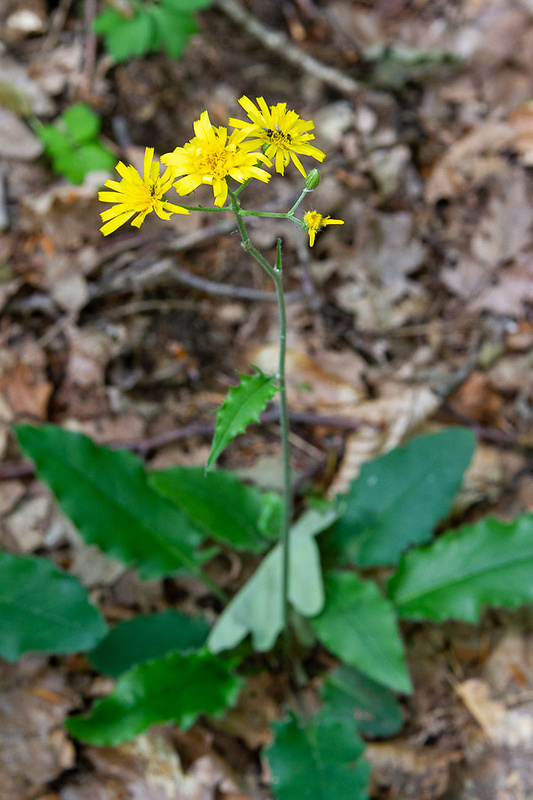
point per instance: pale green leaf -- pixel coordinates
(489, 563)
(243, 404)
(176, 688)
(358, 625)
(318, 759)
(398, 499)
(230, 511)
(43, 609)
(106, 495)
(257, 608)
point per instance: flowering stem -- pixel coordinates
(276, 273)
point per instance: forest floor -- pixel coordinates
(416, 314)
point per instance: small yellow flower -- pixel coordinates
(212, 157)
(315, 222)
(136, 195)
(281, 133)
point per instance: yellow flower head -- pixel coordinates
(281, 133)
(136, 195)
(212, 157)
(315, 222)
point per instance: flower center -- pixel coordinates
(276, 136)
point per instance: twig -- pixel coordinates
(142, 446)
(89, 57)
(280, 44)
(227, 289)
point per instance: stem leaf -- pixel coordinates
(243, 405)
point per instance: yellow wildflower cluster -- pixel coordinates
(271, 135)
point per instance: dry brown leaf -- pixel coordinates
(148, 768)
(476, 399)
(522, 123)
(24, 386)
(385, 423)
(409, 771)
(470, 161)
(34, 746)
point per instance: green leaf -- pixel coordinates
(317, 759)
(350, 694)
(242, 405)
(257, 608)
(176, 688)
(173, 29)
(82, 123)
(229, 510)
(43, 609)
(145, 638)
(54, 140)
(489, 563)
(106, 495)
(358, 625)
(399, 498)
(185, 6)
(127, 38)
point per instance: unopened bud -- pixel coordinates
(312, 180)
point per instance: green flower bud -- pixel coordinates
(312, 180)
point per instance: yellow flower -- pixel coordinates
(280, 132)
(212, 157)
(136, 195)
(314, 222)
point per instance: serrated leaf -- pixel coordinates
(145, 638)
(43, 609)
(106, 495)
(317, 759)
(229, 510)
(358, 625)
(176, 688)
(398, 499)
(489, 563)
(243, 405)
(257, 608)
(351, 695)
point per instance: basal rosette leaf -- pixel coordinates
(489, 563)
(106, 495)
(44, 609)
(257, 608)
(145, 638)
(359, 626)
(318, 759)
(243, 405)
(397, 499)
(228, 510)
(176, 688)
(350, 694)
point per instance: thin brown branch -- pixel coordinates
(280, 44)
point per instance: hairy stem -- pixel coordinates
(276, 273)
